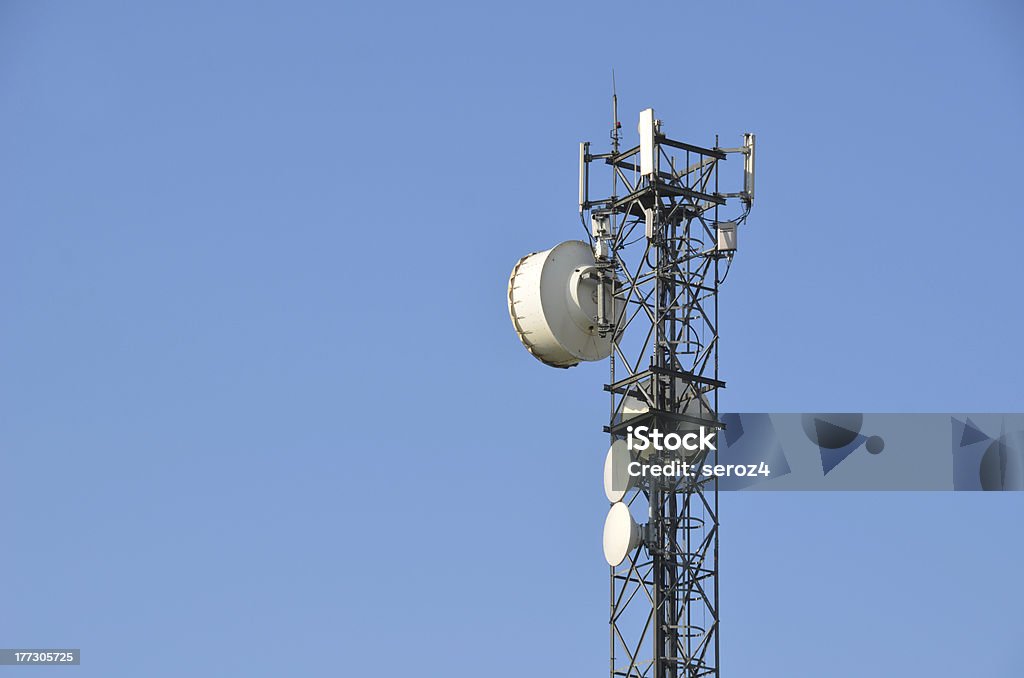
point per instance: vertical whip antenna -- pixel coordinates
(616, 125)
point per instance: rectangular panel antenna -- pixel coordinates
(748, 168)
(584, 169)
(648, 151)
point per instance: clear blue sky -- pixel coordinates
(263, 410)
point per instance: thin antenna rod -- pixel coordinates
(615, 117)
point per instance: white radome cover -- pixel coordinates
(552, 305)
(616, 471)
(621, 534)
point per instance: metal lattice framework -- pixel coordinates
(661, 256)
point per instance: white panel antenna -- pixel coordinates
(648, 150)
(584, 175)
(748, 168)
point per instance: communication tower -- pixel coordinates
(642, 292)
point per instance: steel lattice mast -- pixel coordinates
(661, 247)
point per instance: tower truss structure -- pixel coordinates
(663, 250)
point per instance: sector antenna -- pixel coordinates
(642, 292)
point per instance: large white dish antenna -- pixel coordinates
(690, 403)
(621, 534)
(552, 299)
(617, 481)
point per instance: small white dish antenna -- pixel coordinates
(553, 301)
(617, 481)
(621, 534)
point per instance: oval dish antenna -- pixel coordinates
(621, 534)
(617, 481)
